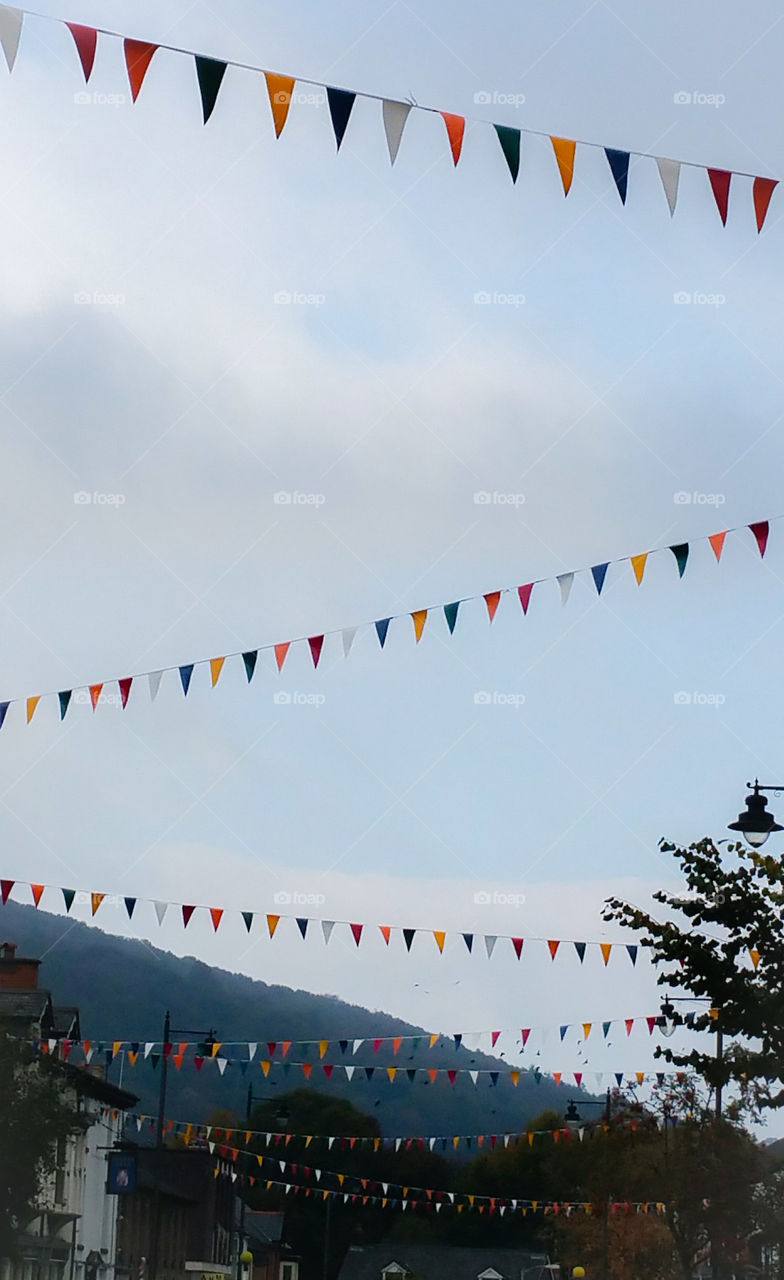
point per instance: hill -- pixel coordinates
(123, 988)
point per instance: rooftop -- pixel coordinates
(440, 1262)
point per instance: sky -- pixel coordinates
(303, 391)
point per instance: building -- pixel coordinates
(272, 1257)
(72, 1236)
(397, 1261)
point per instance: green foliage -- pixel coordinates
(35, 1113)
(733, 904)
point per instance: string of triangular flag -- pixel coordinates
(281, 91)
(434, 1201)
(97, 692)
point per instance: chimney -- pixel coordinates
(16, 972)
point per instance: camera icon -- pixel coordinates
(482, 298)
(282, 898)
(282, 97)
(483, 98)
(82, 498)
(681, 299)
(681, 99)
(482, 898)
(282, 498)
(482, 498)
(682, 699)
(681, 497)
(482, 699)
(282, 298)
(82, 99)
(82, 299)
(282, 698)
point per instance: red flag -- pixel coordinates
(5, 888)
(455, 128)
(761, 191)
(452, 1074)
(86, 38)
(138, 55)
(517, 943)
(494, 1038)
(760, 531)
(316, 644)
(356, 929)
(525, 595)
(187, 912)
(125, 689)
(720, 186)
(525, 1034)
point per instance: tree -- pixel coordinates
(728, 948)
(35, 1115)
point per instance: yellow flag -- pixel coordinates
(32, 703)
(514, 1076)
(564, 150)
(755, 956)
(280, 89)
(216, 666)
(606, 948)
(323, 1046)
(440, 937)
(265, 1065)
(638, 564)
(391, 1072)
(420, 618)
(433, 1040)
(587, 1029)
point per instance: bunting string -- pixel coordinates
(98, 692)
(281, 91)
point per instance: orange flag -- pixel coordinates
(216, 915)
(307, 1067)
(32, 703)
(717, 543)
(420, 618)
(440, 937)
(280, 89)
(95, 693)
(138, 55)
(564, 153)
(272, 924)
(557, 1077)
(265, 1065)
(492, 600)
(638, 564)
(514, 1076)
(323, 1046)
(755, 956)
(553, 944)
(95, 901)
(606, 948)
(762, 189)
(37, 891)
(385, 931)
(280, 653)
(216, 666)
(455, 128)
(396, 1043)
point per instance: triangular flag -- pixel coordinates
(717, 544)
(468, 939)
(3, 711)
(37, 891)
(525, 595)
(753, 953)
(605, 948)
(216, 915)
(553, 944)
(681, 553)
(210, 75)
(510, 145)
(632, 951)
(382, 626)
(450, 613)
(138, 55)
(5, 888)
(186, 672)
(187, 912)
(280, 89)
(395, 115)
(490, 941)
(10, 30)
(408, 937)
(302, 925)
(130, 907)
(580, 949)
(440, 937)
(68, 895)
(629, 1023)
(248, 918)
(419, 619)
(565, 581)
(525, 1033)
(455, 128)
(599, 572)
(760, 531)
(762, 190)
(95, 694)
(720, 186)
(564, 153)
(492, 600)
(86, 39)
(249, 659)
(280, 653)
(564, 1030)
(638, 564)
(160, 910)
(32, 703)
(669, 172)
(316, 645)
(651, 1024)
(154, 681)
(348, 639)
(517, 943)
(216, 666)
(125, 689)
(340, 103)
(356, 930)
(326, 928)
(587, 1029)
(619, 167)
(385, 932)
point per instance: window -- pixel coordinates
(59, 1177)
(289, 1270)
(394, 1271)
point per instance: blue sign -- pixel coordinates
(122, 1173)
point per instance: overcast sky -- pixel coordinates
(146, 363)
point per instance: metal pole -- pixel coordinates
(606, 1218)
(715, 1259)
(156, 1222)
(248, 1107)
(325, 1269)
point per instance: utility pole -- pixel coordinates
(606, 1218)
(157, 1166)
(240, 1245)
(325, 1269)
(715, 1249)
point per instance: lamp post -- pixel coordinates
(282, 1117)
(206, 1044)
(573, 1117)
(754, 823)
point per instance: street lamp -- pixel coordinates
(282, 1117)
(754, 824)
(573, 1117)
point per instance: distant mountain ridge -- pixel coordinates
(123, 987)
